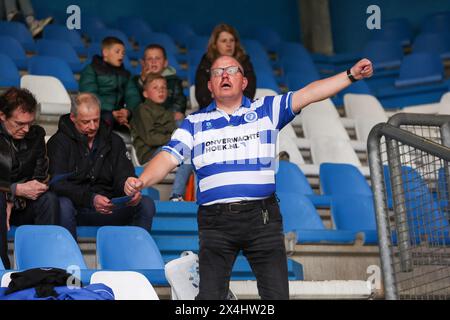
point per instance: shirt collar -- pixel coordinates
(246, 103)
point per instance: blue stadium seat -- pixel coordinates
(420, 68)
(437, 22)
(289, 178)
(46, 246)
(113, 251)
(180, 32)
(420, 81)
(132, 26)
(91, 25)
(55, 67)
(267, 80)
(355, 212)
(62, 50)
(196, 42)
(437, 43)
(19, 32)
(9, 75)
(383, 54)
(300, 216)
(160, 38)
(12, 48)
(394, 30)
(61, 33)
(296, 80)
(269, 38)
(343, 179)
(255, 50)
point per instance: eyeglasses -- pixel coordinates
(231, 70)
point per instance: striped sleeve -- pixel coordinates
(282, 112)
(182, 142)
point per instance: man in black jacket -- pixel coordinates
(24, 195)
(95, 164)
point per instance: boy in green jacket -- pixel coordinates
(153, 125)
(107, 78)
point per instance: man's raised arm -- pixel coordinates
(328, 87)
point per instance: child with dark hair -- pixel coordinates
(107, 78)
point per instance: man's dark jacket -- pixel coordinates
(103, 173)
(22, 160)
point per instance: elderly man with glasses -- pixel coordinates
(24, 195)
(232, 147)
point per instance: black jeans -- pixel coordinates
(43, 211)
(140, 215)
(223, 233)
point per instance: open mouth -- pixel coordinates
(225, 85)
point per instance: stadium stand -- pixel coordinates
(10, 74)
(13, 49)
(335, 229)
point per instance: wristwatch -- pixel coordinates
(350, 76)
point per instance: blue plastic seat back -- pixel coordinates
(12, 48)
(19, 32)
(383, 54)
(125, 248)
(180, 32)
(296, 80)
(298, 212)
(91, 24)
(267, 80)
(343, 179)
(394, 30)
(290, 178)
(61, 33)
(163, 39)
(9, 75)
(46, 246)
(55, 67)
(268, 37)
(353, 212)
(255, 50)
(196, 42)
(420, 68)
(437, 22)
(132, 26)
(57, 48)
(438, 43)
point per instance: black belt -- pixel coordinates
(243, 206)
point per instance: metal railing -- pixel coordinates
(408, 158)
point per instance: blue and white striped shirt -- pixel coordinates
(233, 156)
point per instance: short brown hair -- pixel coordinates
(14, 99)
(108, 42)
(212, 52)
(152, 77)
(156, 46)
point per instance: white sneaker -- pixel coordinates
(176, 198)
(37, 26)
